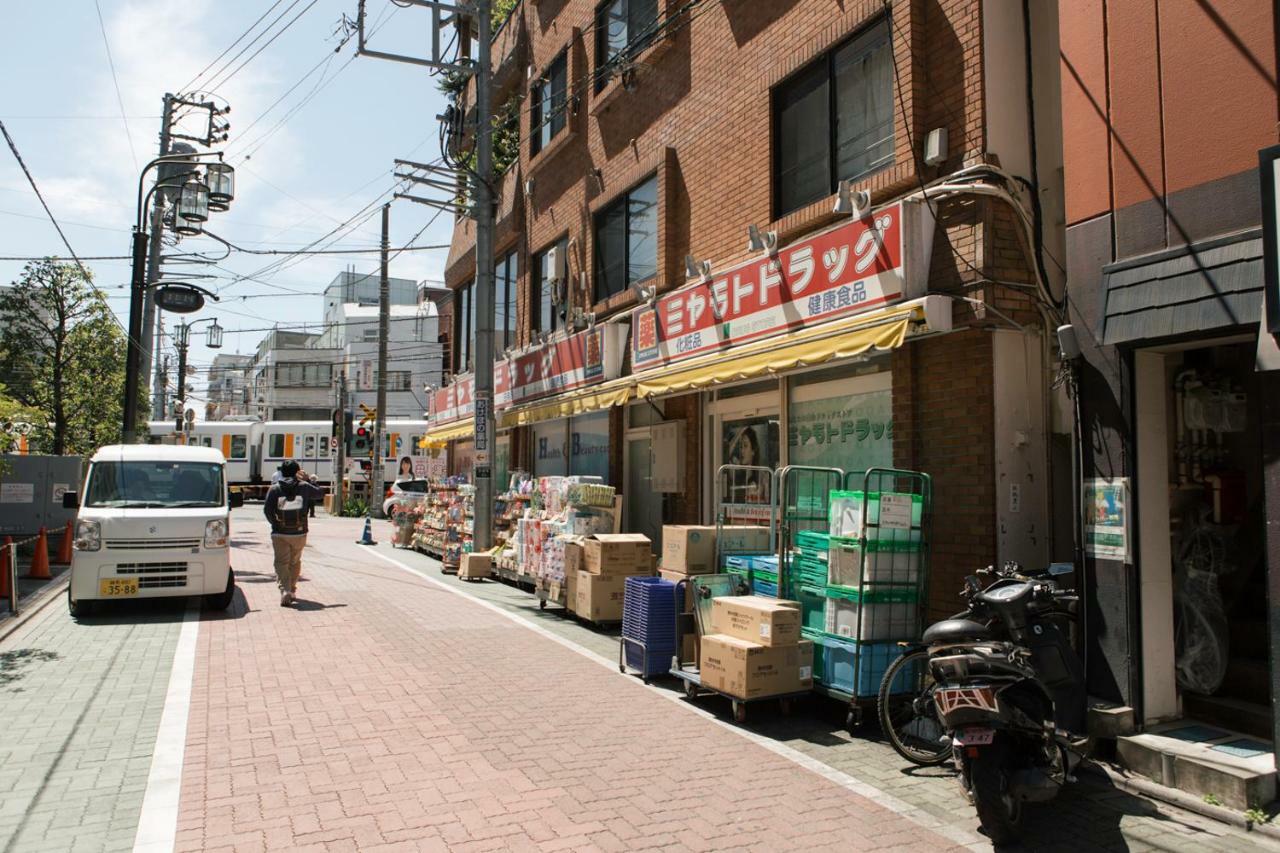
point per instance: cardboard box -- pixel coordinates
(475, 566)
(676, 577)
(571, 590)
(618, 554)
(744, 539)
(575, 559)
(767, 621)
(751, 671)
(599, 598)
(689, 548)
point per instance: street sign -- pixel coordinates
(179, 299)
(368, 414)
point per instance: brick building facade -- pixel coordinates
(703, 106)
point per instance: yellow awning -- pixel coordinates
(882, 330)
(596, 399)
(448, 432)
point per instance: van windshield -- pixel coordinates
(155, 484)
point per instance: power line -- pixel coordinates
(229, 48)
(116, 82)
(225, 80)
(14, 148)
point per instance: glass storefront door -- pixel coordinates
(642, 506)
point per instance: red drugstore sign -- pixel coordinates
(577, 361)
(855, 267)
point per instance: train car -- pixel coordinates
(254, 450)
(239, 442)
(306, 442)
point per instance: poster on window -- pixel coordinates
(589, 446)
(751, 447)
(1106, 518)
(851, 432)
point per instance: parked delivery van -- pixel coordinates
(152, 521)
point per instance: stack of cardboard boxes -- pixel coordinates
(756, 649)
(690, 549)
(596, 569)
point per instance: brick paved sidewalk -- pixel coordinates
(384, 712)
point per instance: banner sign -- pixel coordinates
(565, 364)
(858, 266)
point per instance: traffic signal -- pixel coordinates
(360, 441)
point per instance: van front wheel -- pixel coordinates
(222, 600)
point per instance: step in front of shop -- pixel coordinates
(1205, 761)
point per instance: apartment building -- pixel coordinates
(1166, 107)
(227, 397)
(770, 235)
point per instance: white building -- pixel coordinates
(227, 397)
(414, 351)
(292, 378)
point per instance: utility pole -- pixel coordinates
(482, 469)
(181, 395)
(150, 321)
(384, 324)
(133, 352)
(339, 476)
(463, 16)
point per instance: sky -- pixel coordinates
(303, 166)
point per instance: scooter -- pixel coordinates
(1011, 697)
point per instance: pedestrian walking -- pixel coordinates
(286, 508)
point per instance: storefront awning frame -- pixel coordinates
(596, 399)
(883, 330)
(449, 432)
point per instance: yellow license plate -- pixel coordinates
(118, 586)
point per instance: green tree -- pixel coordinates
(62, 356)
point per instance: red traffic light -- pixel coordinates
(362, 432)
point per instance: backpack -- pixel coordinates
(291, 510)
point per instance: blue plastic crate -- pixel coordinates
(844, 669)
(763, 587)
(649, 618)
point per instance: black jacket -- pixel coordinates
(289, 486)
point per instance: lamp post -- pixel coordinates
(213, 340)
(192, 211)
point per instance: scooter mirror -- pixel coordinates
(1057, 569)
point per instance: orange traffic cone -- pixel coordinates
(40, 559)
(64, 547)
(4, 568)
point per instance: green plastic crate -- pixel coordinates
(813, 607)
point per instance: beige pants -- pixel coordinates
(288, 550)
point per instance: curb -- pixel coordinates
(34, 604)
(1187, 802)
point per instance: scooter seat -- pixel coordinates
(956, 631)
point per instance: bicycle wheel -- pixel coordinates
(908, 716)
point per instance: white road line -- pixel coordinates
(158, 823)
(848, 781)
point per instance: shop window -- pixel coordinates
(504, 308)
(589, 446)
(749, 442)
(547, 104)
(550, 457)
(626, 237)
(464, 319)
(549, 316)
(623, 29)
(834, 120)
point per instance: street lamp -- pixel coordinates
(213, 340)
(222, 182)
(192, 210)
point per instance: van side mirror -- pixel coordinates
(70, 500)
(235, 498)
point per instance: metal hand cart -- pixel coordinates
(881, 522)
(705, 589)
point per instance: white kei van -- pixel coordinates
(153, 521)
